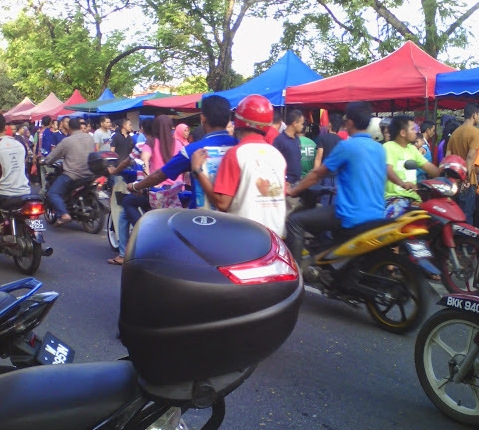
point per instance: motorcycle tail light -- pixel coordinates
(276, 266)
(33, 209)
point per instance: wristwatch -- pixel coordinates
(195, 173)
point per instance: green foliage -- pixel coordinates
(193, 85)
(46, 54)
(10, 96)
(341, 35)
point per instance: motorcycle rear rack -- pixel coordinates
(31, 284)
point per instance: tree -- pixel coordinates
(197, 37)
(351, 33)
(10, 96)
(49, 51)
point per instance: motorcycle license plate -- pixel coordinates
(418, 249)
(54, 351)
(35, 224)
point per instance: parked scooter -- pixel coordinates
(22, 308)
(82, 200)
(454, 243)
(21, 232)
(447, 357)
(194, 332)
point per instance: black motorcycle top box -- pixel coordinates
(98, 162)
(204, 294)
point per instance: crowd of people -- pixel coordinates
(268, 160)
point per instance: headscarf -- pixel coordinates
(162, 142)
(179, 134)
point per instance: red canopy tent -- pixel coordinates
(404, 80)
(180, 103)
(51, 102)
(55, 112)
(25, 104)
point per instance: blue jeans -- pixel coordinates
(56, 192)
(131, 203)
(467, 202)
(123, 232)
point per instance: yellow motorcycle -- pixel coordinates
(379, 264)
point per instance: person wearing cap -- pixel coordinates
(251, 176)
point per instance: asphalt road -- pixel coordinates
(337, 371)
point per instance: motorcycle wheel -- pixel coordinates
(50, 215)
(467, 280)
(402, 309)
(95, 224)
(30, 263)
(111, 234)
(441, 346)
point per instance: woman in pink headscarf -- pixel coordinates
(182, 131)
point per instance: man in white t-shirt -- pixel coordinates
(13, 181)
(251, 176)
(102, 136)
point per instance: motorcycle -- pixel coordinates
(193, 332)
(447, 357)
(21, 232)
(365, 268)
(454, 243)
(82, 200)
(22, 308)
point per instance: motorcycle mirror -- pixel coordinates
(410, 165)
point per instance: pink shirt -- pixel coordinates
(156, 160)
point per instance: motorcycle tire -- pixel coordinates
(467, 281)
(30, 263)
(400, 310)
(111, 234)
(441, 345)
(95, 223)
(50, 215)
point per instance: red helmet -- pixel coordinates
(254, 111)
(454, 166)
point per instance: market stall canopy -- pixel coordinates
(61, 110)
(461, 86)
(286, 72)
(187, 103)
(92, 107)
(25, 104)
(51, 102)
(129, 104)
(404, 80)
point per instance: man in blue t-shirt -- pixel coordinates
(360, 164)
(215, 115)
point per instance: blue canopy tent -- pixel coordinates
(461, 83)
(128, 104)
(91, 108)
(286, 72)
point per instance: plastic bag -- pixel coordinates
(161, 198)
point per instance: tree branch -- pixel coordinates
(118, 58)
(349, 29)
(461, 20)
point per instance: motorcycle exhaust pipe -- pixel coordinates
(47, 251)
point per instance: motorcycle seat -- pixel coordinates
(348, 233)
(68, 396)
(17, 202)
(80, 182)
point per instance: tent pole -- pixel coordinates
(427, 110)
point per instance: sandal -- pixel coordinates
(61, 221)
(117, 261)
